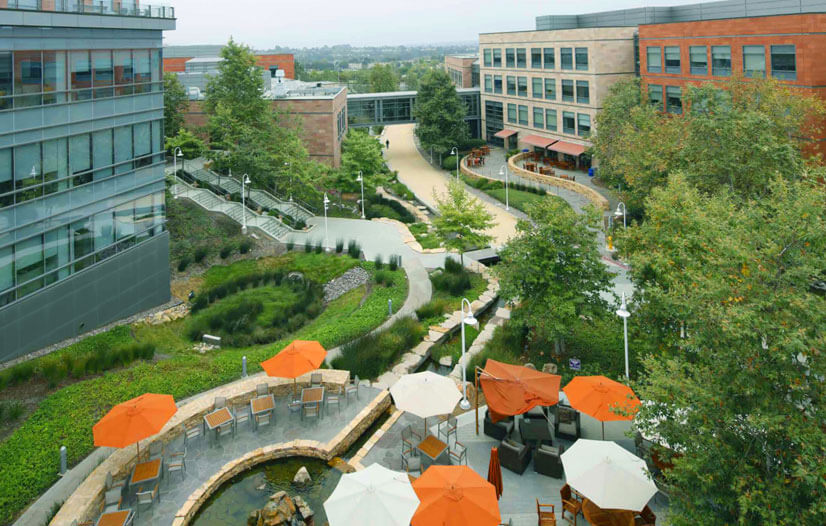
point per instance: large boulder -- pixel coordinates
(282, 510)
(302, 477)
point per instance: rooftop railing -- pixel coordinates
(92, 7)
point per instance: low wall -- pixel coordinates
(589, 193)
(85, 502)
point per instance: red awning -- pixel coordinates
(536, 140)
(568, 147)
(504, 134)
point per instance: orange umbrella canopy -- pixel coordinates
(134, 420)
(513, 389)
(455, 496)
(299, 357)
(597, 396)
(495, 471)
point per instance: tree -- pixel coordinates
(415, 72)
(462, 220)
(382, 78)
(238, 87)
(725, 291)
(360, 152)
(554, 268)
(190, 144)
(175, 104)
(440, 113)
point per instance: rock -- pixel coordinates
(341, 465)
(353, 278)
(446, 361)
(303, 508)
(262, 487)
(302, 477)
(281, 510)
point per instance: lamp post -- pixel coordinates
(624, 314)
(289, 166)
(326, 206)
(466, 320)
(245, 180)
(455, 151)
(360, 179)
(504, 171)
(175, 154)
(621, 211)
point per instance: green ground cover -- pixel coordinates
(373, 354)
(422, 234)
(449, 287)
(519, 199)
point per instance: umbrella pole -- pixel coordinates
(476, 396)
(603, 430)
(138, 457)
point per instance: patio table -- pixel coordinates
(262, 404)
(435, 451)
(605, 517)
(310, 396)
(114, 518)
(146, 472)
(218, 418)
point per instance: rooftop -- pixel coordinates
(99, 7)
(296, 89)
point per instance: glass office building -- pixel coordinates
(82, 223)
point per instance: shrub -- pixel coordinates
(513, 152)
(371, 355)
(433, 309)
(21, 372)
(449, 163)
(455, 284)
(339, 246)
(226, 250)
(183, 263)
(470, 144)
(354, 249)
(308, 246)
(453, 267)
(200, 254)
(378, 262)
(395, 262)
(54, 371)
(245, 246)
(13, 410)
(319, 247)
(384, 277)
(300, 224)
(290, 245)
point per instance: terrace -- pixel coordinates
(98, 7)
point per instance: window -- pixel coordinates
(698, 56)
(549, 60)
(583, 124)
(538, 118)
(784, 62)
(55, 165)
(550, 89)
(583, 93)
(6, 274)
(568, 90)
(497, 58)
(523, 115)
(82, 243)
(124, 72)
(521, 60)
(488, 58)
(143, 70)
(497, 83)
(103, 76)
(157, 69)
(512, 113)
(522, 86)
(655, 96)
(537, 91)
(28, 265)
(754, 61)
(123, 149)
(488, 84)
(28, 78)
(54, 77)
(510, 58)
(56, 254)
(6, 180)
(536, 58)
(511, 85)
(6, 80)
(550, 120)
(102, 153)
(566, 55)
(721, 61)
(80, 159)
(568, 123)
(81, 74)
(654, 60)
(28, 172)
(674, 99)
(582, 58)
(672, 59)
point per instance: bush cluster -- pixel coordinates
(433, 309)
(455, 279)
(449, 163)
(380, 207)
(384, 277)
(10, 411)
(369, 356)
(245, 245)
(394, 262)
(354, 249)
(339, 246)
(231, 286)
(483, 184)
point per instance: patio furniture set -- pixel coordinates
(419, 453)
(476, 157)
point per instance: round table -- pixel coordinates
(606, 517)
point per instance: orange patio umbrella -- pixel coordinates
(495, 471)
(131, 421)
(514, 389)
(455, 496)
(598, 396)
(297, 358)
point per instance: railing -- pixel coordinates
(95, 7)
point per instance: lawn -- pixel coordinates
(422, 234)
(519, 199)
(30, 455)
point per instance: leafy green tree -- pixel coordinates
(554, 268)
(736, 389)
(239, 85)
(175, 104)
(415, 72)
(440, 113)
(462, 220)
(383, 78)
(190, 144)
(360, 152)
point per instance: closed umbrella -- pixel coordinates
(610, 476)
(602, 398)
(455, 496)
(425, 394)
(375, 496)
(130, 422)
(297, 358)
(495, 471)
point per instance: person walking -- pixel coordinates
(387, 144)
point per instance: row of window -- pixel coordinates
(547, 119)
(572, 91)
(672, 96)
(782, 59)
(41, 260)
(541, 58)
(35, 170)
(34, 78)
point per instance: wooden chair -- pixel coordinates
(192, 432)
(458, 454)
(177, 463)
(146, 497)
(646, 517)
(569, 503)
(546, 514)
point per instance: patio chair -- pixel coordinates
(242, 414)
(155, 449)
(546, 514)
(112, 500)
(514, 456)
(111, 483)
(312, 410)
(83, 523)
(144, 498)
(224, 430)
(458, 453)
(567, 422)
(177, 463)
(499, 430)
(534, 430)
(294, 407)
(530, 366)
(192, 432)
(569, 503)
(220, 402)
(647, 517)
(315, 380)
(352, 388)
(262, 390)
(263, 419)
(335, 399)
(410, 459)
(550, 368)
(411, 439)
(447, 428)
(547, 461)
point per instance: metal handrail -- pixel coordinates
(98, 7)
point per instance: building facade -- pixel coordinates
(463, 70)
(543, 89)
(83, 240)
(176, 57)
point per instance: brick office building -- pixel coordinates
(463, 70)
(176, 57)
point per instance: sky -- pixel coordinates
(264, 24)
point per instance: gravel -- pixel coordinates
(353, 278)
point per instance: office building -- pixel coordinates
(176, 57)
(463, 70)
(82, 223)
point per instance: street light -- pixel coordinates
(466, 320)
(455, 151)
(326, 206)
(175, 154)
(624, 314)
(504, 171)
(361, 180)
(622, 213)
(245, 180)
(290, 169)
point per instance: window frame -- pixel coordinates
(536, 58)
(548, 52)
(572, 116)
(668, 96)
(749, 51)
(697, 70)
(568, 83)
(577, 63)
(582, 84)
(720, 71)
(540, 124)
(649, 53)
(566, 53)
(783, 74)
(510, 57)
(673, 69)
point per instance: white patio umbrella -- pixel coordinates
(607, 474)
(375, 496)
(425, 394)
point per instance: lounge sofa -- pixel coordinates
(547, 460)
(567, 422)
(514, 456)
(534, 430)
(499, 430)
